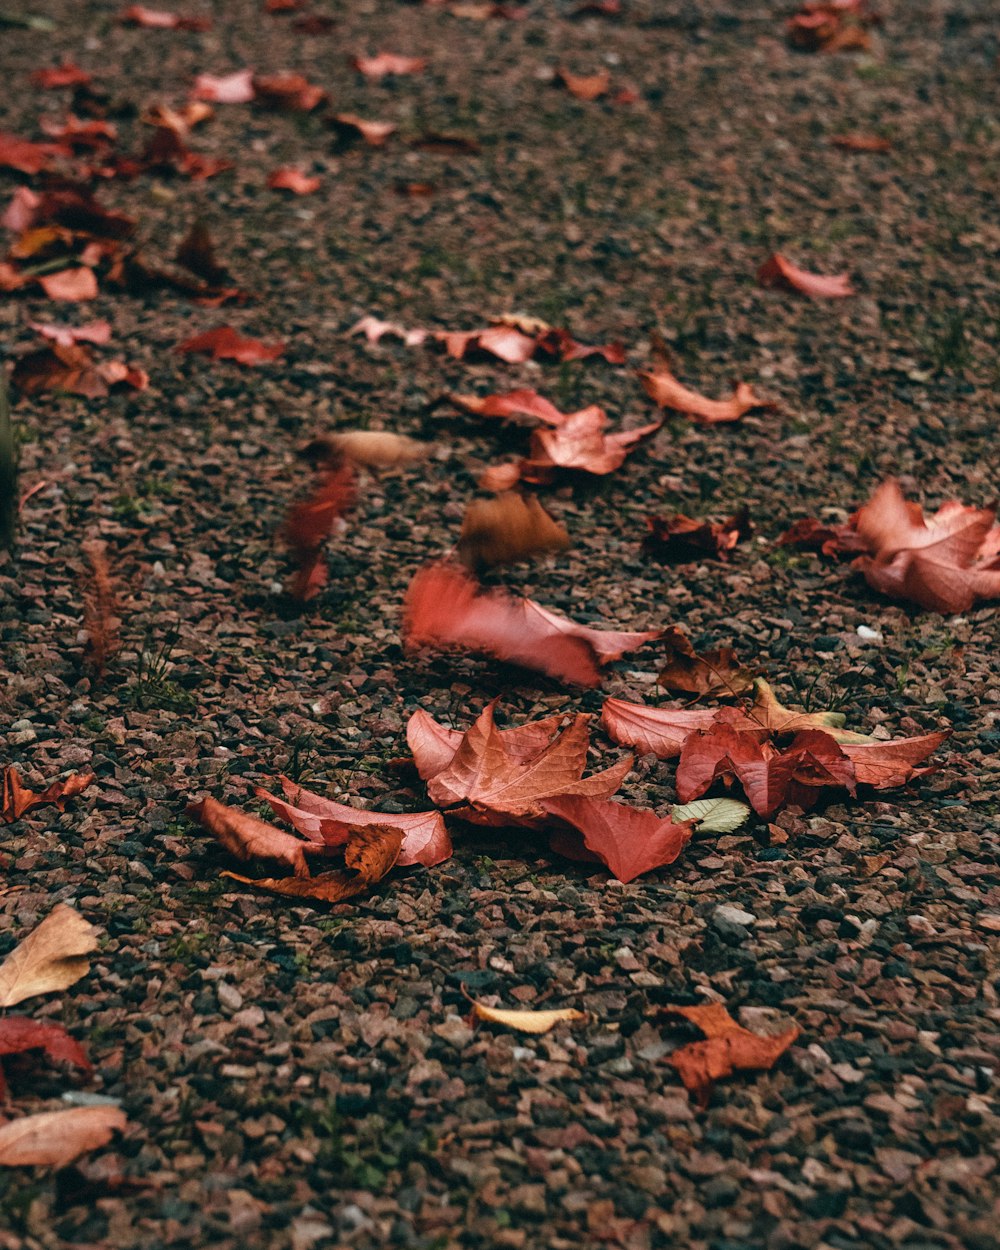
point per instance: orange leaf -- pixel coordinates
(664, 390)
(580, 442)
(716, 672)
(56, 1138)
(17, 799)
(248, 838)
(886, 764)
(506, 529)
(66, 75)
(780, 272)
(679, 539)
(70, 284)
(523, 403)
(288, 91)
(728, 1048)
(585, 86)
(659, 731)
(861, 143)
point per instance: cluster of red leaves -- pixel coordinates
(371, 843)
(832, 26)
(66, 366)
(513, 340)
(446, 607)
(575, 440)
(780, 757)
(944, 563)
(778, 271)
(680, 539)
(17, 799)
(531, 776)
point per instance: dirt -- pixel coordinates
(295, 1076)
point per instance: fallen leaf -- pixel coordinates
(664, 390)
(236, 88)
(378, 449)
(52, 957)
(196, 253)
(161, 19)
(861, 143)
(500, 477)
(505, 782)
(581, 443)
(66, 75)
(831, 26)
(778, 719)
(224, 343)
(728, 1048)
(679, 539)
(425, 838)
(375, 330)
(92, 332)
(629, 840)
(505, 342)
(886, 764)
(18, 800)
(717, 672)
(92, 135)
(445, 606)
(289, 178)
(374, 133)
(27, 157)
(291, 92)
(525, 1021)
(56, 1138)
(180, 120)
(659, 731)
(384, 63)
(585, 86)
(713, 815)
(829, 539)
(19, 1034)
(310, 523)
(248, 838)
(508, 528)
(70, 284)
(771, 778)
(522, 403)
(369, 853)
(780, 272)
(943, 563)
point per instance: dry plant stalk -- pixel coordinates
(100, 607)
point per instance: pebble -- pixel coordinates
(229, 996)
(732, 921)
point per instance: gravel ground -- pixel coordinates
(303, 1077)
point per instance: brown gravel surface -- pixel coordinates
(300, 1077)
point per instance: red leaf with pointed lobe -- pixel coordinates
(425, 838)
(778, 271)
(629, 840)
(892, 763)
(93, 332)
(727, 1048)
(224, 343)
(445, 606)
(18, 799)
(19, 1034)
(660, 731)
(581, 443)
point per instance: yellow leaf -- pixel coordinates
(52, 957)
(526, 1021)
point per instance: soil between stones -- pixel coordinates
(303, 1077)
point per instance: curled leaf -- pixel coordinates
(727, 1048)
(717, 672)
(508, 528)
(666, 391)
(378, 449)
(52, 957)
(18, 799)
(629, 840)
(525, 1021)
(778, 271)
(248, 838)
